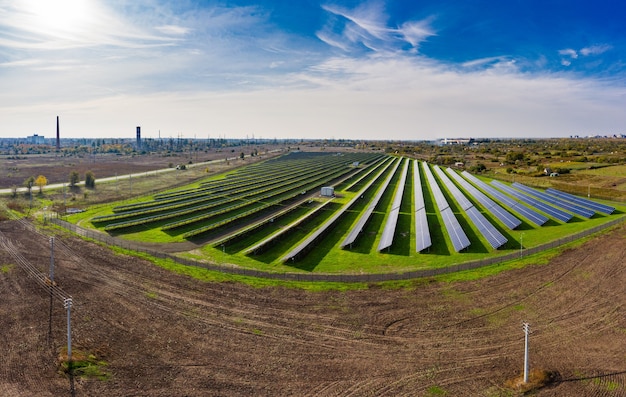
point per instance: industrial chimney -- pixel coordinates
(58, 136)
(138, 137)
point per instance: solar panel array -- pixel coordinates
(453, 228)
(531, 215)
(422, 234)
(489, 232)
(547, 208)
(493, 235)
(585, 212)
(460, 198)
(392, 220)
(494, 208)
(356, 230)
(605, 209)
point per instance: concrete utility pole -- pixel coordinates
(68, 305)
(526, 328)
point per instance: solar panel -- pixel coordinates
(356, 230)
(460, 198)
(392, 220)
(422, 234)
(440, 199)
(453, 228)
(605, 209)
(488, 231)
(494, 208)
(531, 215)
(493, 235)
(585, 212)
(455, 232)
(547, 208)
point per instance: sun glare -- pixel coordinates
(60, 17)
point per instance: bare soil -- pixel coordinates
(163, 334)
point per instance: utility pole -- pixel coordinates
(51, 260)
(526, 328)
(521, 245)
(68, 305)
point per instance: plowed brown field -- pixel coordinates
(163, 334)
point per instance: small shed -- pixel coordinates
(328, 191)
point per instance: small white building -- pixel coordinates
(328, 191)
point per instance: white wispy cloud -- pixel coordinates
(595, 49)
(571, 53)
(366, 25)
(173, 30)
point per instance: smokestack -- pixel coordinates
(58, 136)
(138, 137)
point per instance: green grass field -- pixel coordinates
(363, 257)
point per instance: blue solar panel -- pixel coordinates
(460, 198)
(440, 199)
(453, 228)
(494, 208)
(422, 234)
(548, 209)
(605, 209)
(356, 230)
(585, 212)
(521, 209)
(456, 233)
(392, 220)
(493, 235)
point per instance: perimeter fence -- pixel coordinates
(341, 278)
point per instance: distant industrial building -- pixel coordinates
(36, 139)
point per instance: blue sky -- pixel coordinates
(402, 70)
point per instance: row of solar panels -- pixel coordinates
(552, 202)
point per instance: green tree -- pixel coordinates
(28, 183)
(90, 180)
(74, 178)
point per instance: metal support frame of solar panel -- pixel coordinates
(356, 230)
(533, 216)
(605, 209)
(453, 227)
(422, 233)
(486, 228)
(392, 220)
(578, 210)
(494, 208)
(547, 208)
